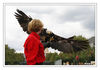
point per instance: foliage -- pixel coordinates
(87, 55)
(51, 57)
(80, 37)
(12, 58)
(84, 56)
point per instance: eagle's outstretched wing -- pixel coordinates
(71, 46)
(23, 19)
(66, 45)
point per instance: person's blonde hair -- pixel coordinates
(35, 25)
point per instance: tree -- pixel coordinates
(12, 58)
(80, 37)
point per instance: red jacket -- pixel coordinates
(33, 49)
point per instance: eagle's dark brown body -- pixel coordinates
(66, 45)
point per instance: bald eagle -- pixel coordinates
(65, 45)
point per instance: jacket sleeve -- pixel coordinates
(31, 50)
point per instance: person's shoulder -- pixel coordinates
(32, 38)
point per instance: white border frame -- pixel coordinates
(64, 4)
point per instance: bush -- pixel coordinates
(12, 58)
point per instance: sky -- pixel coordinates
(65, 21)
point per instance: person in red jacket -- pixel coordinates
(33, 48)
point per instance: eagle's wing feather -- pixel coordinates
(70, 46)
(23, 19)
